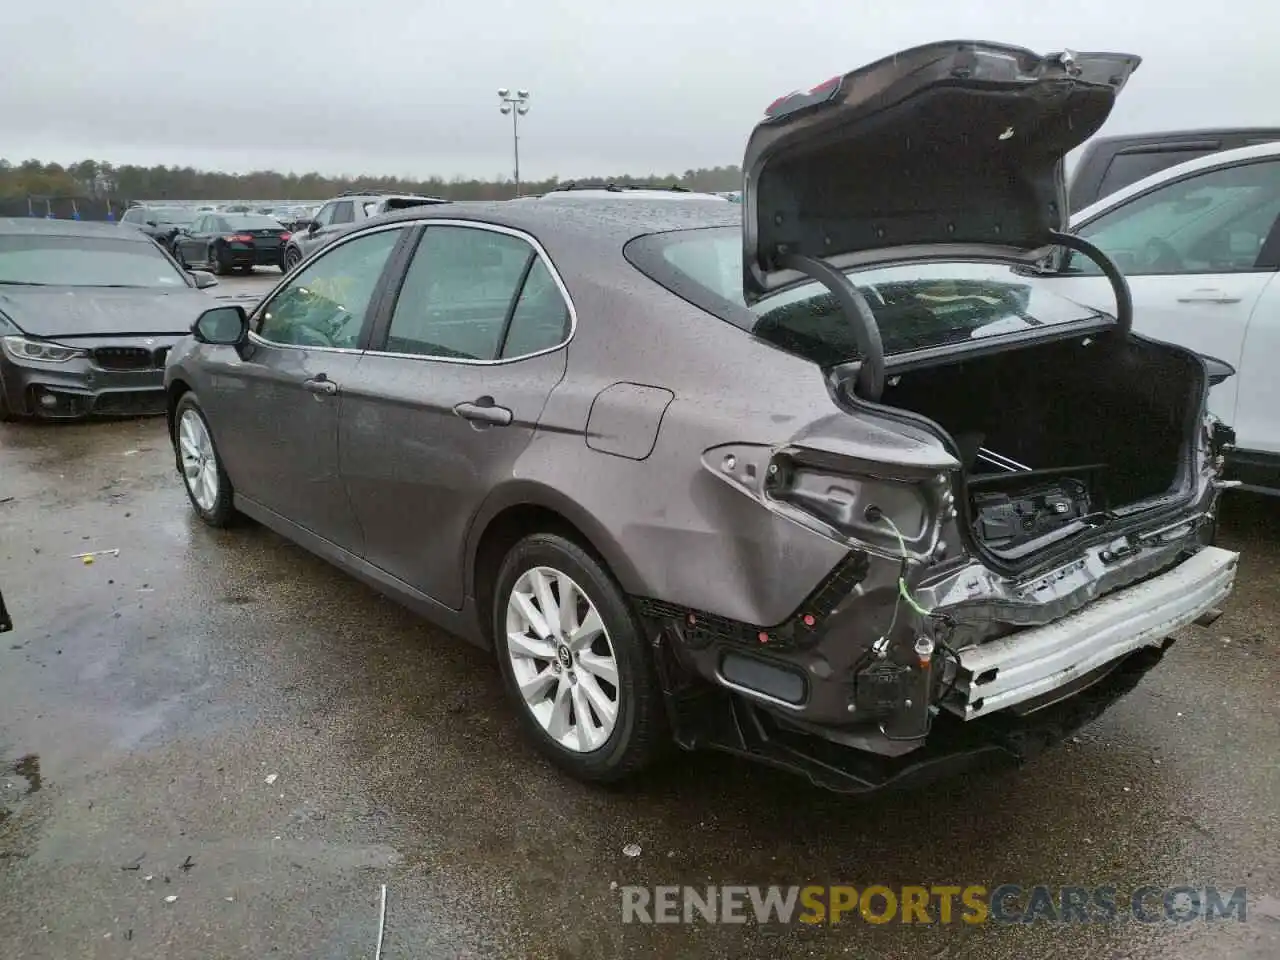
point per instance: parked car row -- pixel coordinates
(860, 490)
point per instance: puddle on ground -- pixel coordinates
(28, 768)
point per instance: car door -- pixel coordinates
(277, 399)
(341, 216)
(310, 240)
(194, 243)
(1199, 251)
(449, 396)
(1257, 420)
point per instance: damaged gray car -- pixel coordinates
(828, 479)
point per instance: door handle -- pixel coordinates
(484, 410)
(320, 385)
(1209, 295)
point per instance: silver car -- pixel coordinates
(340, 214)
(828, 479)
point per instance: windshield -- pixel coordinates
(85, 262)
(916, 306)
(252, 221)
(175, 215)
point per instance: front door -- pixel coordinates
(281, 395)
(448, 397)
(1198, 252)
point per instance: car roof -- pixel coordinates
(1157, 137)
(584, 217)
(1222, 158)
(28, 226)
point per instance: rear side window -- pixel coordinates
(540, 320)
(458, 292)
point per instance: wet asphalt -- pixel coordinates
(221, 718)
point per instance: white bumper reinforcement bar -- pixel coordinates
(1037, 661)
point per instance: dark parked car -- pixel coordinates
(339, 214)
(1108, 164)
(841, 487)
(232, 241)
(161, 224)
(87, 313)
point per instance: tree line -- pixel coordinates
(101, 180)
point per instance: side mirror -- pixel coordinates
(312, 226)
(222, 326)
(152, 223)
(203, 278)
(1218, 370)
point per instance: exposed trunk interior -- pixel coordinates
(1054, 435)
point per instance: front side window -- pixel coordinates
(458, 292)
(132, 216)
(326, 304)
(60, 261)
(325, 216)
(1212, 222)
(916, 306)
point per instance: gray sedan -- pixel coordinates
(829, 482)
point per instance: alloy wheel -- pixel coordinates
(199, 461)
(562, 659)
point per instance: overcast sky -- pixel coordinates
(408, 87)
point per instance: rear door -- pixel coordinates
(278, 399)
(1198, 252)
(449, 395)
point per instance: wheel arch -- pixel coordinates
(174, 393)
(519, 509)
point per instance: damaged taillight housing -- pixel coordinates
(893, 506)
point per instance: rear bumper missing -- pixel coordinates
(1033, 663)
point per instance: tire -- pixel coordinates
(292, 257)
(215, 264)
(559, 675)
(216, 510)
(6, 414)
(247, 270)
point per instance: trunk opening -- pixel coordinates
(1056, 438)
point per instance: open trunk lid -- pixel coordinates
(957, 145)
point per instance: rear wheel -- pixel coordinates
(208, 486)
(574, 660)
(215, 262)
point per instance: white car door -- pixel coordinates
(1199, 252)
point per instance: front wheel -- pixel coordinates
(292, 257)
(215, 262)
(574, 660)
(208, 486)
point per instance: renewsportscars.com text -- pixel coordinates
(969, 904)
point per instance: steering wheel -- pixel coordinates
(1160, 256)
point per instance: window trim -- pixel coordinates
(382, 329)
(376, 298)
(1204, 171)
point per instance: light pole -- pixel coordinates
(517, 106)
